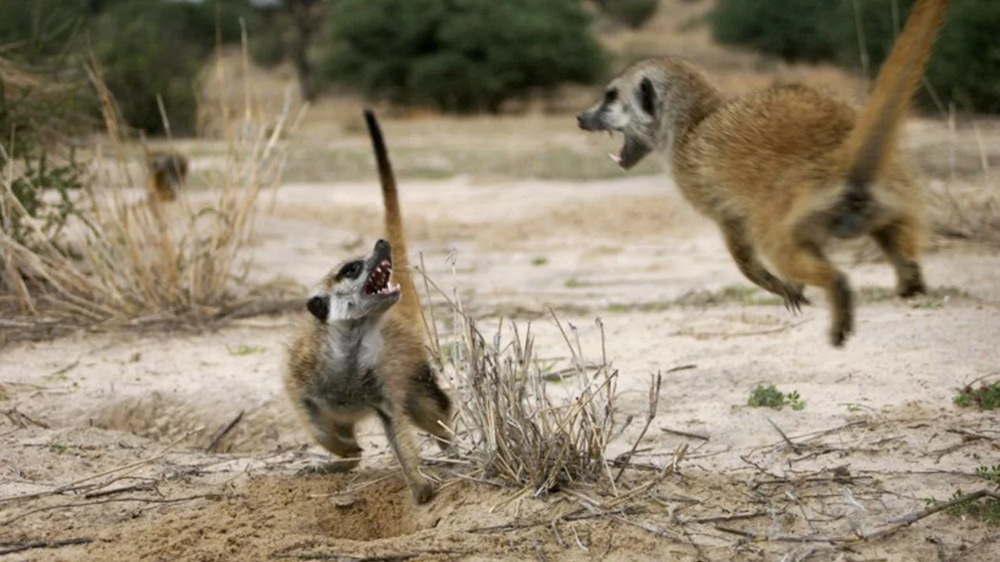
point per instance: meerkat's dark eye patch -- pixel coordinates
(319, 306)
(610, 96)
(647, 96)
(350, 270)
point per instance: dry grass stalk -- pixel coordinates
(508, 425)
(971, 216)
(141, 260)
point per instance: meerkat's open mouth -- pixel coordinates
(631, 153)
(380, 281)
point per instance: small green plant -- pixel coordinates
(3, 395)
(573, 283)
(241, 350)
(58, 447)
(539, 260)
(770, 397)
(985, 509)
(985, 397)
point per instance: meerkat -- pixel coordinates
(167, 172)
(785, 170)
(360, 351)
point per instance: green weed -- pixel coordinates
(770, 397)
(985, 397)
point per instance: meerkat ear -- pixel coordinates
(647, 96)
(319, 306)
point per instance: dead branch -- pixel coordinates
(654, 400)
(794, 447)
(100, 502)
(219, 435)
(126, 469)
(684, 433)
(15, 547)
(340, 557)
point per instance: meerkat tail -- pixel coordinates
(410, 301)
(873, 139)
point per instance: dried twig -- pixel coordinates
(126, 469)
(685, 433)
(100, 502)
(221, 433)
(15, 547)
(340, 557)
(654, 400)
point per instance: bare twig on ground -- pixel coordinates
(685, 434)
(120, 471)
(891, 527)
(654, 400)
(15, 547)
(340, 557)
(223, 432)
(20, 516)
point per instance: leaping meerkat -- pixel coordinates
(785, 169)
(167, 172)
(360, 352)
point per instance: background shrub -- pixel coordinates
(790, 29)
(150, 48)
(461, 55)
(633, 13)
(964, 69)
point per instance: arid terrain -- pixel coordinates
(116, 439)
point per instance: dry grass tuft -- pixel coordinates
(508, 425)
(971, 214)
(135, 260)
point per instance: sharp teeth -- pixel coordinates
(614, 158)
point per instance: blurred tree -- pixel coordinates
(151, 48)
(307, 17)
(964, 67)
(791, 29)
(461, 55)
(35, 31)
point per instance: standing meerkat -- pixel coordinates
(167, 172)
(786, 169)
(361, 352)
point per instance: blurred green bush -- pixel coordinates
(964, 68)
(633, 13)
(461, 55)
(150, 48)
(790, 29)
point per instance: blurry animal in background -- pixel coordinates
(167, 173)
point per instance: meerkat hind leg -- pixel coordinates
(806, 264)
(899, 243)
(750, 265)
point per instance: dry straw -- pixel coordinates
(508, 425)
(141, 261)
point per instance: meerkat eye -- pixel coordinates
(610, 96)
(350, 270)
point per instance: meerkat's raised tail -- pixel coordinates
(410, 301)
(871, 143)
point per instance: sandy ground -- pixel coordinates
(877, 437)
(105, 438)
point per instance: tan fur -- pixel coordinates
(167, 172)
(340, 372)
(785, 170)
